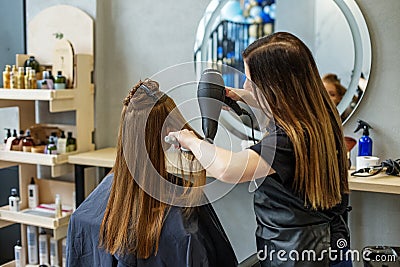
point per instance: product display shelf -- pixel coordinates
(34, 158)
(58, 225)
(59, 100)
(81, 100)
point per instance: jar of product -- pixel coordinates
(60, 81)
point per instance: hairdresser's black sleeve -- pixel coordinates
(277, 150)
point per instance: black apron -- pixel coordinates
(288, 232)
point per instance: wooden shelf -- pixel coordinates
(36, 94)
(35, 158)
(58, 225)
(100, 158)
(380, 183)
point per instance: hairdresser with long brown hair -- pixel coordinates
(140, 214)
(301, 203)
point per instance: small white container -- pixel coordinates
(33, 194)
(13, 200)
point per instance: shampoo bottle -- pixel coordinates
(62, 143)
(365, 142)
(32, 238)
(54, 257)
(64, 252)
(6, 77)
(43, 248)
(33, 194)
(13, 200)
(19, 259)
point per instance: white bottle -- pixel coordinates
(19, 256)
(13, 200)
(43, 248)
(64, 252)
(32, 238)
(33, 194)
(62, 143)
(58, 210)
(54, 257)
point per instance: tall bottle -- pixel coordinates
(32, 239)
(21, 78)
(43, 248)
(13, 77)
(365, 142)
(8, 134)
(15, 142)
(62, 143)
(27, 142)
(51, 147)
(33, 194)
(19, 258)
(32, 79)
(58, 210)
(6, 77)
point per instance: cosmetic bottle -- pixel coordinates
(21, 78)
(60, 81)
(365, 142)
(62, 143)
(54, 257)
(71, 143)
(13, 200)
(32, 238)
(58, 211)
(64, 252)
(32, 79)
(33, 194)
(8, 134)
(6, 77)
(18, 253)
(26, 77)
(49, 79)
(33, 63)
(43, 248)
(27, 142)
(51, 148)
(13, 77)
(15, 142)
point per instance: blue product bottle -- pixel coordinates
(365, 142)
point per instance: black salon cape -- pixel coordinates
(200, 241)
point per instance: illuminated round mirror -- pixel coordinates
(334, 30)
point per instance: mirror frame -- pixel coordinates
(362, 57)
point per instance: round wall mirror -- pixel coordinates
(334, 30)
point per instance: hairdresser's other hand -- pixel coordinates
(241, 95)
(185, 138)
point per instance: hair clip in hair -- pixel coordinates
(148, 91)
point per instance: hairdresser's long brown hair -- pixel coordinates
(133, 220)
(285, 72)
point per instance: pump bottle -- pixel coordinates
(365, 142)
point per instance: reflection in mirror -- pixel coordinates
(334, 30)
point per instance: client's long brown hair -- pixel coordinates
(133, 219)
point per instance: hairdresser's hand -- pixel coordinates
(241, 95)
(187, 139)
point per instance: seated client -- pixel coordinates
(140, 214)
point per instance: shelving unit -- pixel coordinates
(81, 100)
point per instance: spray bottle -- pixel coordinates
(365, 142)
